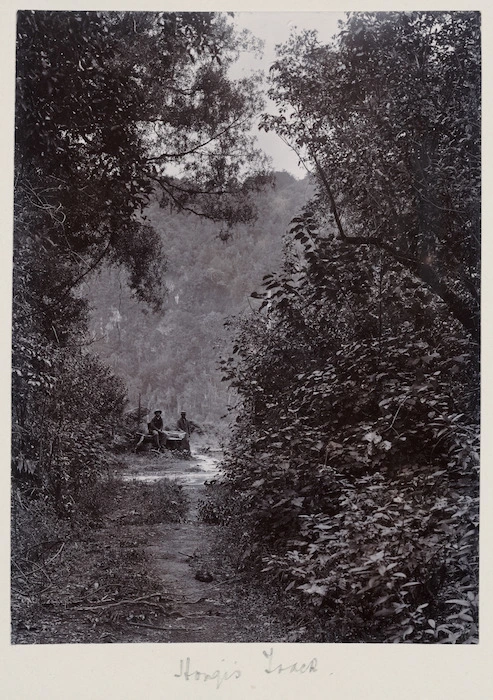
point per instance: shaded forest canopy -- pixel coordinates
(145, 215)
(353, 467)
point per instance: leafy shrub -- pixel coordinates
(35, 524)
(217, 508)
(96, 499)
(389, 561)
(355, 455)
(63, 424)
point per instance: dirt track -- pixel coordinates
(202, 610)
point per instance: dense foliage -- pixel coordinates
(354, 463)
(113, 110)
(98, 96)
(390, 118)
(351, 480)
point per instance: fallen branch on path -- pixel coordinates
(208, 616)
(202, 599)
(25, 575)
(37, 568)
(144, 600)
(42, 545)
(226, 580)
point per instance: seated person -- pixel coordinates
(156, 430)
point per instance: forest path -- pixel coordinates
(201, 610)
(126, 580)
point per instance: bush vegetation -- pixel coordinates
(351, 479)
(354, 462)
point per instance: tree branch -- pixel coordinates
(183, 207)
(469, 318)
(87, 271)
(176, 156)
(333, 207)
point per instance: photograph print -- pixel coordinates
(246, 322)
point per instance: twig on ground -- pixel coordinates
(194, 602)
(55, 555)
(21, 571)
(144, 600)
(46, 589)
(226, 580)
(29, 573)
(44, 545)
(197, 617)
(16, 591)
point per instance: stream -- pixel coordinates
(194, 471)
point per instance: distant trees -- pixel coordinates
(171, 357)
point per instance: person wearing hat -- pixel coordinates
(187, 426)
(156, 429)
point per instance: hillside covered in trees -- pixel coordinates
(152, 244)
(171, 358)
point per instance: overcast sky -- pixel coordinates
(274, 28)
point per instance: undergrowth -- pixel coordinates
(162, 501)
(86, 579)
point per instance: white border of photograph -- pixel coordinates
(135, 671)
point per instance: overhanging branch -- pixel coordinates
(198, 147)
(469, 318)
(370, 240)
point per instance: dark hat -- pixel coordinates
(183, 413)
(157, 411)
